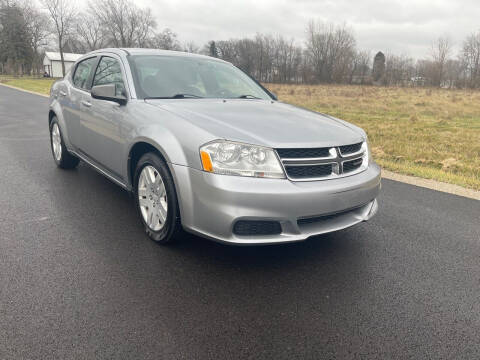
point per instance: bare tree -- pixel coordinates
(191, 47)
(360, 67)
(90, 31)
(225, 49)
(399, 70)
(165, 40)
(127, 25)
(62, 13)
(470, 59)
(330, 49)
(38, 26)
(286, 60)
(453, 73)
(267, 58)
(440, 53)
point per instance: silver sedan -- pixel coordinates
(204, 147)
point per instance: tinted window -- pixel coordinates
(167, 76)
(82, 73)
(109, 72)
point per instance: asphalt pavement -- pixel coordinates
(79, 279)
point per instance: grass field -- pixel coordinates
(39, 85)
(429, 133)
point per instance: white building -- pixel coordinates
(53, 65)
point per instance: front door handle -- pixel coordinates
(86, 103)
(62, 93)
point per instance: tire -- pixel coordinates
(62, 157)
(153, 200)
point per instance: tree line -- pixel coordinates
(328, 54)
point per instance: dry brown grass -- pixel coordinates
(430, 133)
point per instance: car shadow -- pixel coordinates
(317, 249)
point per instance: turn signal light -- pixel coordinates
(206, 161)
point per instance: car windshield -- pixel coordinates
(158, 76)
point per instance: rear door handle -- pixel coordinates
(63, 93)
(86, 103)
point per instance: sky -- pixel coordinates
(403, 27)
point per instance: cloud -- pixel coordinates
(401, 26)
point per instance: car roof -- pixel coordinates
(140, 51)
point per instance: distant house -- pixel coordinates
(418, 81)
(52, 63)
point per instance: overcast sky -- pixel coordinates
(404, 27)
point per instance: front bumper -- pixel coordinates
(211, 204)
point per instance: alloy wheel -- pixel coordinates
(56, 142)
(152, 198)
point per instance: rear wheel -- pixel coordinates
(62, 157)
(156, 199)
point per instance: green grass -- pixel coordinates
(39, 85)
(429, 133)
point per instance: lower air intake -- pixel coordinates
(252, 228)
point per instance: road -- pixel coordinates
(79, 279)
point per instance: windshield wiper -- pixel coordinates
(248, 97)
(176, 96)
(185, 96)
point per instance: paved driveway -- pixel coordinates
(78, 279)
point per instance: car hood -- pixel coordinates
(261, 122)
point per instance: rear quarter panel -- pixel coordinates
(56, 105)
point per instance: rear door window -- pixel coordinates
(82, 73)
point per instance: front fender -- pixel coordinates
(175, 151)
(169, 148)
(173, 137)
(162, 140)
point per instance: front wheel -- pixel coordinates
(156, 199)
(62, 157)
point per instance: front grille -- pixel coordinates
(313, 171)
(352, 165)
(306, 164)
(303, 153)
(350, 149)
(254, 227)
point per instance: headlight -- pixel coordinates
(232, 158)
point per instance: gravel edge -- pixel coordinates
(432, 184)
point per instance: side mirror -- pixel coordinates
(108, 92)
